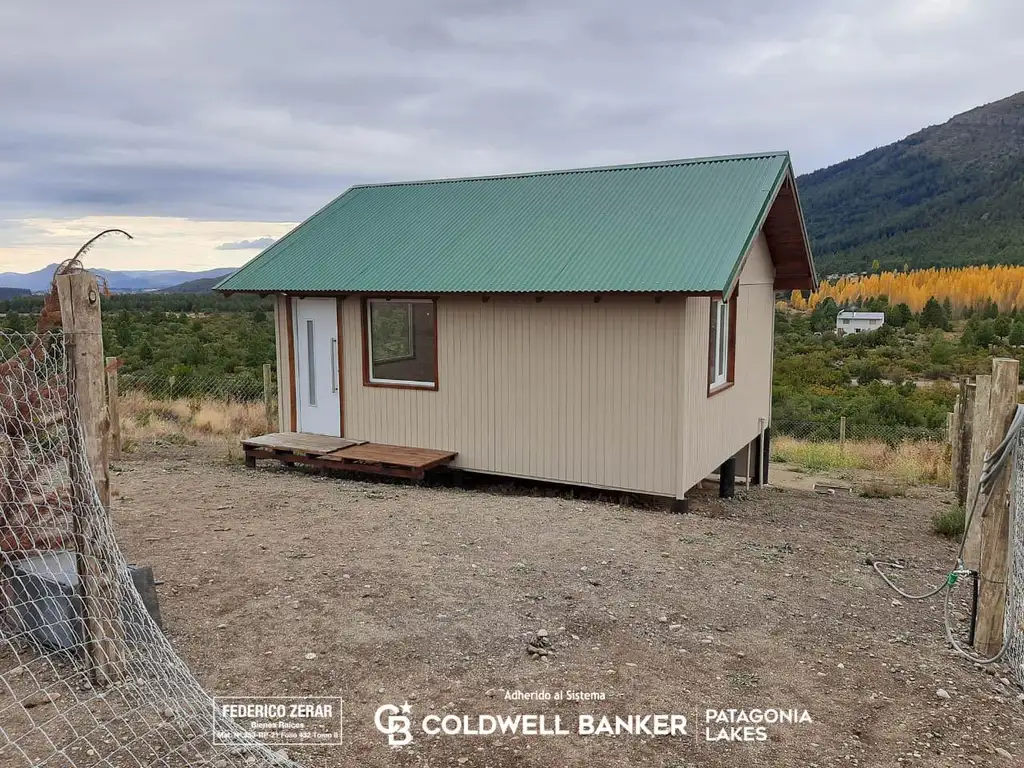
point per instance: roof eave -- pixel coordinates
(807, 280)
(582, 293)
(254, 262)
(803, 228)
(762, 216)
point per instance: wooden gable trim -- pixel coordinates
(788, 244)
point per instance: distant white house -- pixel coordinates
(858, 322)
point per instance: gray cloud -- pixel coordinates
(135, 108)
(243, 245)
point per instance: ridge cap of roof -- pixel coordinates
(652, 164)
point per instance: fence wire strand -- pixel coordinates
(63, 584)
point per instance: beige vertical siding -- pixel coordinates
(565, 389)
(718, 426)
(610, 394)
(283, 365)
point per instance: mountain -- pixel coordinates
(119, 282)
(948, 195)
(202, 285)
(11, 293)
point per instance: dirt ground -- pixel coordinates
(430, 595)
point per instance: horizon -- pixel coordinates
(233, 148)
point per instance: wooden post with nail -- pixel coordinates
(102, 629)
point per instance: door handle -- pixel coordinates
(334, 366)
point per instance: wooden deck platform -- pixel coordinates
(345, 454)
(301, 443)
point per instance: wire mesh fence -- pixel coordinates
(87, 677)
(156, 406)
(836, 430)
(905, 454)
(246, 386)
(1014, 628)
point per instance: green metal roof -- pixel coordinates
(680, 225)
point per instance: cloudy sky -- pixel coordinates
(205, 127)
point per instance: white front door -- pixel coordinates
(318, 378)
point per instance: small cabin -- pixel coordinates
(606, 327)
(858, 322)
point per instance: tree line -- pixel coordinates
(178, 345)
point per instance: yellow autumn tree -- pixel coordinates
(966, 287)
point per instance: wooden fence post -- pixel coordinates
(995, 523)
(113, 409)
(97, 572)
(83, 327)
(975, 458)
(842, 434)
(267, 399)
(966, 429)
(955, 445)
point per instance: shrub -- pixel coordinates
(878, 490)
(950, 522)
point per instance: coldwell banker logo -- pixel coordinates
(396, 723)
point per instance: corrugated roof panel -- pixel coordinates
(675, 226)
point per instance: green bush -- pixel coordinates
(950, 522)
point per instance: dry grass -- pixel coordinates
(913, 462)
(144, 419)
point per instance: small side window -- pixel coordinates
(722, 344)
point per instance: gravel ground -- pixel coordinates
(282, 582)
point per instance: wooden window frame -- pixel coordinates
(730, 361)
(367, 350)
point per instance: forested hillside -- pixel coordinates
(951, 194)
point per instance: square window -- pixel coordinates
(401, 343)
